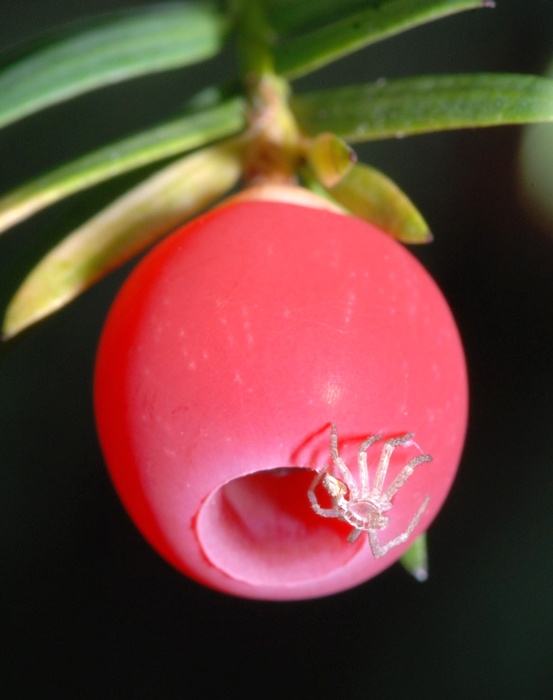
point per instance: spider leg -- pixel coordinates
(354, 534)
(340, 464)
(379, 550)
(362, 464)
(404, 474)
(325, 512)
(389, 447)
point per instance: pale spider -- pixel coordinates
(364, 508)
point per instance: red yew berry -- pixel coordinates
(226, 357)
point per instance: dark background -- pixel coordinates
(88, 610)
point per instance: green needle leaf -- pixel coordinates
(373, 197)
(316, 48)
(151, 39)
(163, 141)
(291, 16)
(415, 559)
(420, 105)
(155, 207)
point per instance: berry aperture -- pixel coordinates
(227, 355)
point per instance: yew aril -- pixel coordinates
(225, 358)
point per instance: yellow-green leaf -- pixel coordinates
(331, 158)
(124, 228)
(163, 141)
(372, 196)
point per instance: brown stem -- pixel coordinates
(276, 148)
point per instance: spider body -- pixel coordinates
(360, 506)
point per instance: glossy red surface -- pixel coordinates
(226, 356)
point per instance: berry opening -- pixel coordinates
(260, 529)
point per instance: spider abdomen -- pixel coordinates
(365, 514)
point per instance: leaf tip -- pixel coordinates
(428, 237)
(331, 158)
(415, 559)
(413, 232)
(8, 331)
(420, 573)
(16, 320)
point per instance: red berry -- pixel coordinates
(226, 356)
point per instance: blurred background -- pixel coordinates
(88, 610)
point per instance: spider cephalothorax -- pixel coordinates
(360, 506)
